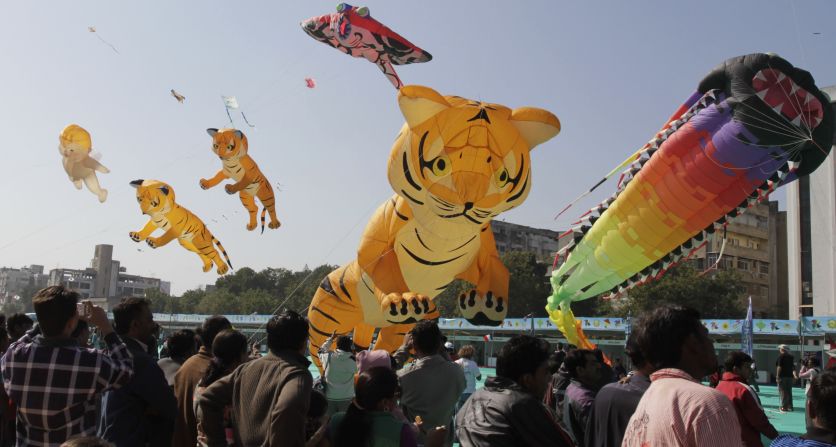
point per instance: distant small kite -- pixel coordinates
(310, 82)
(92, 29)
(180, 98)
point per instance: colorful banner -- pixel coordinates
(819, 325)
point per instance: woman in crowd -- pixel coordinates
(471, 372)
(228, 350)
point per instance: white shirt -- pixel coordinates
(471, 372)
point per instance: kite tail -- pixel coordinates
(564, 319)
(263, 213)
(223, 251)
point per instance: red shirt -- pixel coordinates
(750, 415)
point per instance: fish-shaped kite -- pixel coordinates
(310, 82)
(353, 31)
(180, 98)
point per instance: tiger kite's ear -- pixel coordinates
(137, 183)
(239, 134)
(536, 126)
(212, 131)
(419, 104)
(164, 189)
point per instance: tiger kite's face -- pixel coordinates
(464, 160)
(153, 196)
(228, 144)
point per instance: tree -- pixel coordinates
(256, 301)
(219, 302)
(714, 296)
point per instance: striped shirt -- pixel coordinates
(54, 384)
(679, 411)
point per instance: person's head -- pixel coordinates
(375, 390)
(228, 351)
(132, 318)
(632, 350)
(813, 362)
(524, 360)
(783, 349)
(210, 328)
(181, 344)
(674, 337)
(467, 352)
(344, 343)
(317, 410)
(287, 331)
(554, 362)
(55, 307)
(583, 366)
(86, 441)
(18, 324)
(426, 338)
(367, 360)
(82, 334)
(821, 400)
(739, 363)
(450, 347)
(560, 346)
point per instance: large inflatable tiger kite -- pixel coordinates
(456, 164)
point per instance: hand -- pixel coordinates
(407, 341)
(98, 317)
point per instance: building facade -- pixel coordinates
(513, 237)
(755, 250)
(14, 282)
(105, 281)
(811, 239)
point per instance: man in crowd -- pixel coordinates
(508, 411)
(269, 396)
(821, 408)
(616, 402)
(559, 381)
(142, 412)
(17, 325)
(340, 367)
(677, 410)
(29, 371)
(431, 385)
(750, 414)
(181, 346)
(584, 371)
(187, 378)
(785, 374)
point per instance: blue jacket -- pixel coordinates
(815, 437)
(142, 412)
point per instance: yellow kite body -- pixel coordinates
(456, 164)
(156, 199)
(75, 145)
(231, 147)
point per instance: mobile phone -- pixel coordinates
(81, 308)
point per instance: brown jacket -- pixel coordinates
(269, 398)
(185, 381)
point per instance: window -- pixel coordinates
(712, 258)
(764, 268)
(764, 291)
(742, 264)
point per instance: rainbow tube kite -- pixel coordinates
(755, 123)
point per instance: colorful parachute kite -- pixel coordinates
(156, 199)
(353, 31)
(456, 164)
(75, 145)
(755, 123)
(232, 148)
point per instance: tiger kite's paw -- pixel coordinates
(204, 184)
(134, 236)
(487, 310)
(274, 224)
(222, 268)
(152, 242)
(230, 189)
(251, 226)
(405, 308)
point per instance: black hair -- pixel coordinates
(181, 343)
(663, 332)
(19, 320)
(372, 387)
(127, 312)
(555, 361)
(211, 327)
(79, 328)
(426, 337)
(344, 343)
(227, 350)
(736, 359)
(54, 307)
(631, 349)
(577, 359)
(822, 398)
(287, 331)
(521, 355)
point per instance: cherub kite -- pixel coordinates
(75, 145)
(353, 31)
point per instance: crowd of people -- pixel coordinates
(212, 388)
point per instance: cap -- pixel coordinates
(370, 359)
(783, 347)
(449, 345)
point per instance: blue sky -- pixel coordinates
(612, 71)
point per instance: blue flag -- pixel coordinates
(746, 331)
